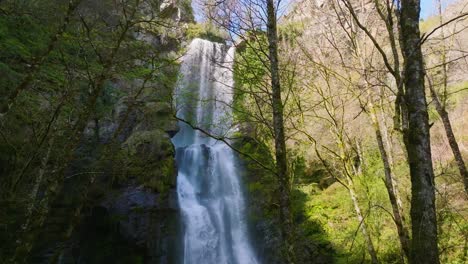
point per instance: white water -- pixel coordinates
(209, 191)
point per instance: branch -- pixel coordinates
(424, 37)
(371, 37)
(223, 139)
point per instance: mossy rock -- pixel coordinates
(149, 144)
(149, 157)
(158, 115)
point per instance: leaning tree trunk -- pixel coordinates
(398, 215)
(417, 140)
(280, 143)
(450, 136)
(349, 172)
(362, 223)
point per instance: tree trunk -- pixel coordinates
(450, 136)
(398, 216)
(280, 143)
(417, 141)
(362, 224)
(55, 179)
(348, 184)
(349, 168)
(440, 108)
(24, 246)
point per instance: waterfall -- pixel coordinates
(208, 186)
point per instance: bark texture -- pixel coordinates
(280, 143)
(424, 248)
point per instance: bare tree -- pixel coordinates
(424, 247)
(416, 135)
(440, 99)
(278, 127)
(249, 22)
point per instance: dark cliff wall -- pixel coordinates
(128, 212)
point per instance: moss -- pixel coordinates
(148, 156)
(157, 116)
(206, 31)
(156, 140)
(260, 182)
(457, 94)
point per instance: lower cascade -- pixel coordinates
(209, 189)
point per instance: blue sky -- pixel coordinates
(428, 7)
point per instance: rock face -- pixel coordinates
(149, 221)
(132, 224)
(128, 212)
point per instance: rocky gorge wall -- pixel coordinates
(128, 212)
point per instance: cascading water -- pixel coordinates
(209, 190)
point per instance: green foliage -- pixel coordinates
(451, 217)
(290, 31)
(148, 157)
(206, 31)
(251, 78)
(252, 109)
(429, 24)
(311, 240)
(333, 209)
(260, 182)
(186, 6)
(89, 72)
(249, 69)
(457, 94)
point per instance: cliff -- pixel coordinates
(117, 203)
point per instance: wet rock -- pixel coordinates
(147, 220)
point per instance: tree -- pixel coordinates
(278, 128)
(38, 61)
(440, 100)
(368, 70)
(70, 82)
(424, 247)
(254, 25)
(416, 136)
(354, 67)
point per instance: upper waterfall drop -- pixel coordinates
(208, 186)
